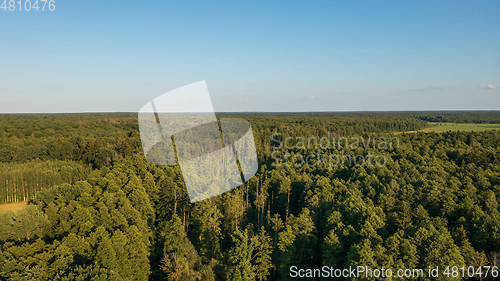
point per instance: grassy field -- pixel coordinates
(12, 206)
(467, 127)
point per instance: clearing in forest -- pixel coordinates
(12, 206)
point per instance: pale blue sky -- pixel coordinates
(254, 55)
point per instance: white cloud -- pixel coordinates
(489, 87)
(311, 97)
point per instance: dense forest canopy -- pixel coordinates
(98, 211)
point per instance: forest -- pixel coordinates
(97, 210)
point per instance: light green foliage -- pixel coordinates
(249, 258)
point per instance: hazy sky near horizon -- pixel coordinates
(255, 55)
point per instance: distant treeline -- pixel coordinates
(480, 117)
(100, 139)
(96, 139)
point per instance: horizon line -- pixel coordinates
(318, 111)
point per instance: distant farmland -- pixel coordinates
(467, 127)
